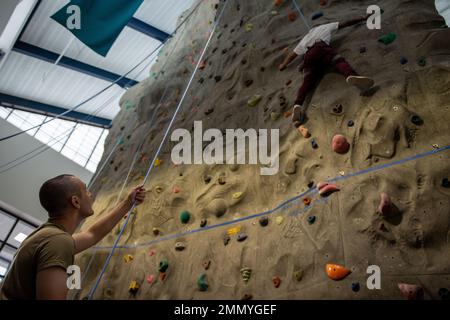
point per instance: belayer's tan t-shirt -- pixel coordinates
(48, 246)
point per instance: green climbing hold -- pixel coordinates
(253, 101)
(163, 265)
(128, 105)
(120, 141)
(201, 282)
(185, 216)
(388, 38)
(422, 62)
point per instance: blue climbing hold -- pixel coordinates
(355, 286)
(446, 183)
(316, 15)
(120, 141)
(311, 219)
(403, 60)
(185, 216)
(314, 144)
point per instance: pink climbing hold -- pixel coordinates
(411, 291)
(150, 278)
(386, 208)
(339, 144)
(151, 253)
(176, 189)
(325, 188)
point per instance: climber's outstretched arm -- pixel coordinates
(291, 56)
(352, 22)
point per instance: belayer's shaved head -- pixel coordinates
(55, 194)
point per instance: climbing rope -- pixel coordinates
(92, 292)
(301, 15)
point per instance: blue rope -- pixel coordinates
(301, 15)
(312, 191)
(92, 292)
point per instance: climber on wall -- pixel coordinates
(39, 267)
(317, 56)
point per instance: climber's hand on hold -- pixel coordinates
(137, 195)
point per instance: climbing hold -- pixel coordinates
(445, 183)
(298, 275)
(151, 253)
(179, 246)
(158, 189)
(234, 230)
(201, 80)
(248, 82)
(362, 50)
(127, 258)
(278, 2)
(314, 144)
(209, 111)
(311, 219)
(176, 189)
(350, 123)
(274, 116)
(206, 264)
(264, 221)
(307, 201)
(276, 281)
(341, 173)
(226, 239)
(241, 237)
(156, 231)
(201, 282)
(411, 291)
(286, 114)
(134, 287)
(221, 181)
(253, 101)
(246, 274)
(444, 293)
(218, 78)
(248, 27)
(325, 188)
(415, 119)
(337, 109)
(150, 278)
(355, 286)
(237, 195)
(157, 162)
(202, 65)
(422, 62)
(304, 131)
(386, 208)
(292, 16)
(203, 223)
(435, 146)
(323, 2)
(163, 265)
(162, 276)
(339, 144)
(403, 60)
(336, 272)
(316, 15)
(185, 216)
(388, 38)
(279, 220)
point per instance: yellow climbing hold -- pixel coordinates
(158, 162)
(253, 101)
(249, 27)
(134, 287)
(237, 195)
(158, 189)
(279, 220)
(128, 258)
(233, 230)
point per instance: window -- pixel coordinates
(78, 142)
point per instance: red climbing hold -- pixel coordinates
(292, 16)
(336, 272)
(386, 208)
(339, 144)
(411, 291)
(278, 2)
(323, 2)
(325, 189)
(276, 281)
(176, 189)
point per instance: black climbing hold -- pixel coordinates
(217, 78)
(338, 109)
(403, 60)
(201, 80)
(241, 237)
(262, 69)
(314, 144)
(415, 119)
(310, 184)
(248, 82)
(355, 286)
(232, 30)
(264, 221)
(218, 37)
(225, 25)
(163, 265)
(209, 111)
(350, 123)
(422, 62)
(446, 183)
(226, 239)
(311, 219)
(214, 50)
(362, 50)
(203, 223)
(224, 51)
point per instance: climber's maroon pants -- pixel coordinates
(317, 60)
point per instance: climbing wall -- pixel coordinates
(227, 232)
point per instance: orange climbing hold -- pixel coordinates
(336, 272)
(278, 2)
(307, 201)
(304, 131)
(202, 65)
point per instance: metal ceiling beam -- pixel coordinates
(49, 110)
(49, 56)
(147, 29)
